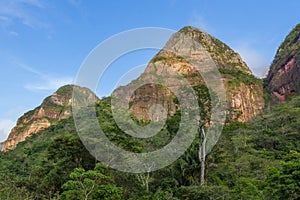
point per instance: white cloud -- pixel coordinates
(36, 3)
(45, 82)
(173, 2)
(5, 127)
(198, 21)
(49, 83)
(4, 19)
(15, 11)
(29, 69)
(258, 64)
(13, 33)
(75, 2)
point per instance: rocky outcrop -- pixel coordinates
(2, 145)
(283, 79)
(19, 134)
(244, 91)
(221, 53)
(244, 101)
(53, 109)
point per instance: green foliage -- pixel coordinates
(257, 160)
(240, 76)
(250, 161)
(204, 101)
(165, 59)
(91, 184)
(206, 193)
(43, 162)
(9, 188)
(245, 189)
(284, 182)
(289, 46)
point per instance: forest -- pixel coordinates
(255, 160)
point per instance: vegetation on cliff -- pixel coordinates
(283, 79)
(53, 109)
(256, 157)
(250, 161)
(243, 90)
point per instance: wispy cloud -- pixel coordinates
(198, 21)
(172, 2)
(36, 3)
(49, 83)
(4, 19)
(13, 33)
(75, 2)
(5, 126)
(254, 59)
(29, 69)
(45, 82)
(25, 12)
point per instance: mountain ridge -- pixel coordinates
(256, 159)
(53, 109)
(244, 91)
(283, 78)
(244, 95)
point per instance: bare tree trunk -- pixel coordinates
(147, 181)
(144, 179)
(202, 154)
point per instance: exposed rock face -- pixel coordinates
(16, 135)
(244, 101)
(2, 145)
(222, 54)
(53, 109)
(244, 91)
(283, 79)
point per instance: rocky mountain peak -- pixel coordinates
(283, 79)
(222, 54)
(54, 108)
(244, 91)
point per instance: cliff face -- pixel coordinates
(244, 91)
(53, 109)
(283, 79)
(244, 101)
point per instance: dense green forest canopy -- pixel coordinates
(257, 160)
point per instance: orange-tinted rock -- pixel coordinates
(53, 109)
(245, 100)
(283, 79)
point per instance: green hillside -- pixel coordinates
(257, 156)
(258, 160)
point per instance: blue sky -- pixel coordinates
(43, 43)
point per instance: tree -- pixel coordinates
(64, 154)
(202, 152)
(284, 182)
(246, 189)
(91, 184)
(9, 188)
(144, 179)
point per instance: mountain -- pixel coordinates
(53, 109)
(244, 91)
(257, 159)
(283, 79)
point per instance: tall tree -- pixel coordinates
(202, 152)
(91, 184)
